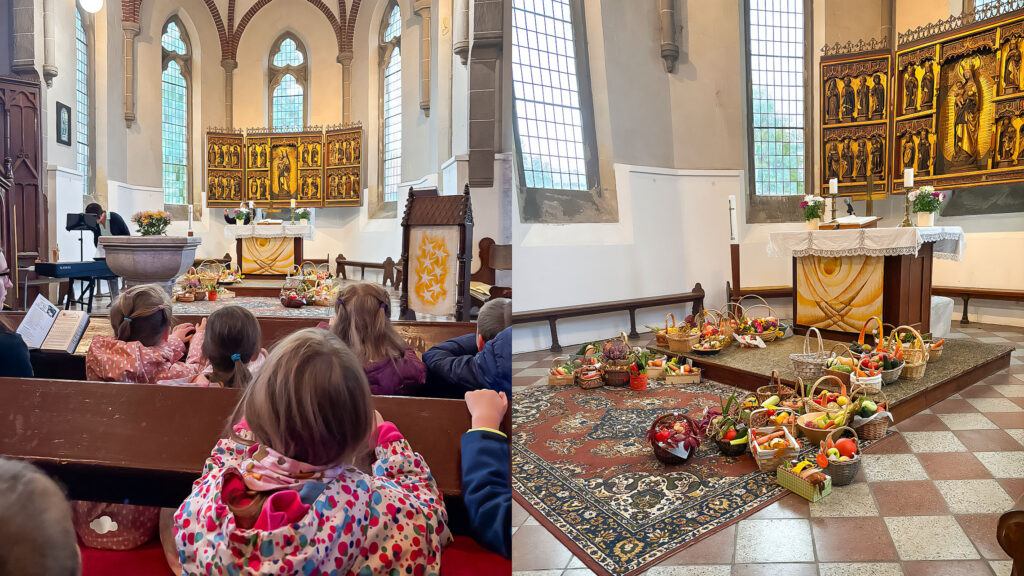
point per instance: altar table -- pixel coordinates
(269, 249)
(841, 278)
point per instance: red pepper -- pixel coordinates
(730, 434)
(771, 411)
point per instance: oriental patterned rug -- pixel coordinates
(582, 465)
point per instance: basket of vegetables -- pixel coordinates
(773, 415)
(686, 335)
(638, 369)
(616, 354)
(661, 335)
(828, 394)
(816, 425)
(654, 365)
(589, 374)
(810, 364)
(841, 364)
(676, 373)
(775, 387)
(860, 346)
(674, 438)
(771, 446)
(711, 340)
(767, 327)
(561, 372)
(871, 416)
(840, 458)
(915, 353)
(727, 428)
(935, 349)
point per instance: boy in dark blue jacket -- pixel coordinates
(486, 463)
(474, 361)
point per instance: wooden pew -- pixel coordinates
(420, 335)
(387, 268)
(1010, 535)
(967, 293)
(552, 315)
(493, 257)
(146, 444)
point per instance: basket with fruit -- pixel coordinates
(767, 327)
(616, 354)
(685, 336)
(774, 415)
(661, 334)
(841, 363)
(828, 394)
(590, 373)
(727, 427)
(804, 478)
(674, 438)
(915, 353)
(676, 373)
(840, 458)
(654, 366)
(871, 416)
(775, 387)
(561, 371)
(771, 446)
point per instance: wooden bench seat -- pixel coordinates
(966, 293)
(552, 315)
(1010, 535)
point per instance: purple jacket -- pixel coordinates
(402, 377)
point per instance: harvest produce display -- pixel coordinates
(674, 437)
(563, 370)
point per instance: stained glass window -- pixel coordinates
(549, 120)
(288, 73)
(391, 106)
(986, 8)
(777, 109)
(82, 100)
(175, 116)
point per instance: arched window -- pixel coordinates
(391, 103)
(288, 84)
(177, 72)
(82, 101)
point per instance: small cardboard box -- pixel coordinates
(691, 378)
(793, 482)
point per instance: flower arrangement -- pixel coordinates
(152, 222)
(240, 214)
(813, 206)
(926, 199)
(303, 213)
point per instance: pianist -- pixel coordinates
(113, 226)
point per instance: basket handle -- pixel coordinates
(822, 379)
(862, 390)
(917, 335)
(844, 347)
(625, 339)
(729, 309)
(856, 439)
(666, 321)
(775, 378)
(863, 329)
(742, 298)
(821, 345)
(771, 311)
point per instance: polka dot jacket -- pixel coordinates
(112, 360)
(390, 523)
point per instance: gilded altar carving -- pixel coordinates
(225, 168)
(344, 168)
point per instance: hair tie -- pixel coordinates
(127, 319)
(236, 357)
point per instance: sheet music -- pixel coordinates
(67, 330)
(37, 322)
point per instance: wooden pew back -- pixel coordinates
(146, 444)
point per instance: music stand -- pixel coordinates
(81, 222)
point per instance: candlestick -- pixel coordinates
(906, 201)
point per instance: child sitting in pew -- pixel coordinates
(145, 348)
(363, 322)
(292, 503)
(486, 485)
(36, 535)
(474, 361)
(229, 342)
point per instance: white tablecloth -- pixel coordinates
(949, 242)
(304, 231)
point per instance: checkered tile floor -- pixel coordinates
(926, 501)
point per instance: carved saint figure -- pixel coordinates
(831, 102)
(877, 153)
(927, 86)
(908, 151)
(924, 152)
(877, 96)
(1007, 139)
(861, 169)
(1011, 76)
(966, 112)
(211, 156)
(847, 160)
(863, 97)
(355, 151)
(910, 89)
(284, 170)
(849, 99)
(833, 161)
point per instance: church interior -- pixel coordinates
(712, 295)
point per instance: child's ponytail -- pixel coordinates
(141, 314)
(231, 341)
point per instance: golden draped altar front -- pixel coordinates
(838, 293)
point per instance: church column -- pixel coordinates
(485, 91)
(422, 7)
(345, 59)
(49, 42)
(460, 17)
(131, 30)
(23, 55)
(229, 91)
(669, 46)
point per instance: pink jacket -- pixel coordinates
(112, 360)
(391, 522)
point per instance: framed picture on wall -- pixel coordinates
(63, 124)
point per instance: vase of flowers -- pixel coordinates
(152, 222)
(240, 215)
(812, 206)
(926, 202)
(303, 214)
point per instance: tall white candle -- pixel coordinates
(252, 205)
(189, 216)
(908, 178)
(833, 187)
(293, 203)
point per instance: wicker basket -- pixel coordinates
(843, 350)
(843, 472)
(913, 355)
(661, 336)
(810, 365)
(876, 428)
(616, 374)
(913, 371)
(560, 379)
(830, 383)
(662, 454)
(880, 338)
(769, 460)
(934, 353)
(589, 367)
(731, 314)
(729, 449)
(775, 387)
(892, 375)
(760, 418)
(766, 337)
(680, 342)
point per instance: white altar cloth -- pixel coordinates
(304, 231)
(949, 242)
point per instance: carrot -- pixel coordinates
(939, 343)
(770, 437)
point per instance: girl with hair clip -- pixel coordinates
(287, 499)
(146, 348)
(363, 322)
(230, 350)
